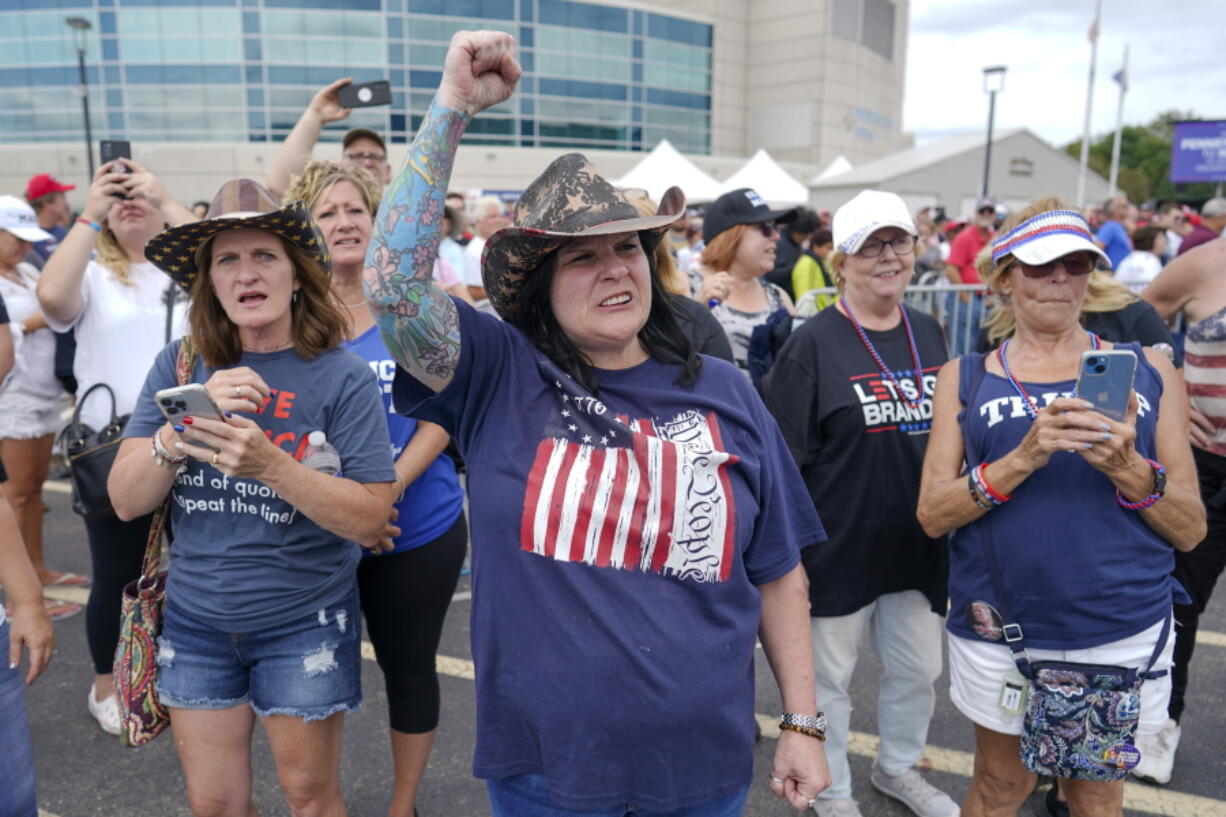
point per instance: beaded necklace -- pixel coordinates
(885, 370)
(1027, 402)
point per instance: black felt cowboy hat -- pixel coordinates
(569, 200)
(240, 204)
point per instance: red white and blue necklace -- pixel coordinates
(1027, 401)
(885, 370)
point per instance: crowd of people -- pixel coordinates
(726, 418)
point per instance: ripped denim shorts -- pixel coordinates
(309, 668)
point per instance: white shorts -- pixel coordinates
(977, 670)
(23, 417)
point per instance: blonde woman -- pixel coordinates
(405, 592)
(99, 283)
(1017, 464)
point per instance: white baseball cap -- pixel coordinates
(867, 213)
(17, 217)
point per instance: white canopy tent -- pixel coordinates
(665, 167)
(839, 165)
(772, 182)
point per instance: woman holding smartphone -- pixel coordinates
(1055, 480)
(100, 283)
(261, 616)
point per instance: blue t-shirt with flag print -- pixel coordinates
(618, 542)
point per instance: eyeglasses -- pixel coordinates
(366, 157)
(768, 228)
(1080, 264)
(902, 245)
(983, 210)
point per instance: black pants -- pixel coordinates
(116, 549)
(1198, 572)
(404, 599)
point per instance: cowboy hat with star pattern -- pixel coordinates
(241, 204)
(569, 200)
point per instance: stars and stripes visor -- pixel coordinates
(1046, 237)
(240, 204)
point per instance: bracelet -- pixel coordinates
(164, 458)
(93, 225)
(970, 484)
(989, 493)
(804, 730)
(1158, 491)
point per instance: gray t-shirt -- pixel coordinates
(242, 558)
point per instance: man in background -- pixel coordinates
(47, 195)
(1212, 222)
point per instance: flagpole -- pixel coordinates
(1085, 132)
(1119, 124)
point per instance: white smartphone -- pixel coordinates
(190, 400)
(1106, 379)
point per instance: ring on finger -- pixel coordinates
(813, 803)
(216, 454)
(776, 780)
(238, 391)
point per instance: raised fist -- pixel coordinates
(480, 71)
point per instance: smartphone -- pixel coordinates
(1106, 380)
(111, 149)
(190, 400)
(366, 94)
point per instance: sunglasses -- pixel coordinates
(1080, 264)
(768, 228)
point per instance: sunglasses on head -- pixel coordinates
(1077, 264)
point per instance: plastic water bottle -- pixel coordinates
(321, 455)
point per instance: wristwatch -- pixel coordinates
(817, 724)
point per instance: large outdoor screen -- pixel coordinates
(1198, 152)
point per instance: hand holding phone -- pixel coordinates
(1106, 379)
(192, 400)
(366, 94)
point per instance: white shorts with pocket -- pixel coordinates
(977, 670)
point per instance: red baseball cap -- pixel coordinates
(44, 184)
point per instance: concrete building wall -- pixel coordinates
(1023, 167)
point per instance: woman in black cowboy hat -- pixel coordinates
(636, 518)
(261, 615)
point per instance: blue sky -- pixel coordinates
(1175, 61)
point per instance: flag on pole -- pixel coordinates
(1121, 77)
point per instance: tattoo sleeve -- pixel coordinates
(418, 321)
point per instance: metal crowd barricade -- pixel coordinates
(960, 319)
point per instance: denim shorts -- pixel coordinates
(527, 795)
(309, 668)
(16, 753)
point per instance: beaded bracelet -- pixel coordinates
(989, 493)
(164, 458)
(970, 484)
(803, 730)
(93, 225)
(1158, 491)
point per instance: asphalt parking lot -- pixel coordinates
(86, 773)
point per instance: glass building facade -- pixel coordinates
(595, 75)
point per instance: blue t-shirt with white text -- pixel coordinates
(433, 501)
(242, 558)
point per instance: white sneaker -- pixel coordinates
(915, 793)
(1158, 754)
(106, 712)
(836, 807)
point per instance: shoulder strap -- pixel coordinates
(972, 368)
(184, 364)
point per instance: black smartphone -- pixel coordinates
(366, 94)
(111, 149)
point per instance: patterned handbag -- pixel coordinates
(142, 716)
(1081, 719)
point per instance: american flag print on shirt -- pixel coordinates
(631, 493)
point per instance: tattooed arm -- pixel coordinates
(418, 321)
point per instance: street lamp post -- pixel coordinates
(80, 26)
(993, 82)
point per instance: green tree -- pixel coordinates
(1145, 160)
